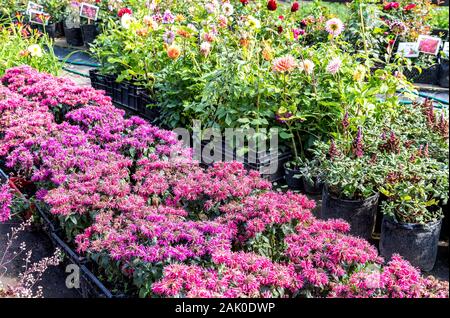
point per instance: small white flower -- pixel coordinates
(227, 9)
(307, 66)
(205, 48)
(35, 50)
(126, 21)
(253, 22)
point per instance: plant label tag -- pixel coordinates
(429, 44)
(445, 49)
(408, 49)
(38, 17)
(34, 7)
(89, 11)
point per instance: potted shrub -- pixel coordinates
(412, 218)
(72, 29)
(351, 179)
(305, 175)
(55, 8)
(89, 27)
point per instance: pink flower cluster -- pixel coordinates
(171, 227)
(398, 279)
(238, 274)
(324, 253)
(255, 213)
(6, 198)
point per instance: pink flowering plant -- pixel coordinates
(155, 223)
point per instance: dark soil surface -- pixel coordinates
(53, 280)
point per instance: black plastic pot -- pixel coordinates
(442, 33)
(314, 188)
(73, 36)
(269, 164)
(89, 33)
(379, 217)
(50, 30)
(427, 76)
(293, 178)
(443, 73)
(59, 29)
(360, 214)
(417, 243)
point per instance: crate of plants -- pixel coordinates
(270, 164)
(130, 97)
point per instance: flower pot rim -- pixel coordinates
(411, 226)
(325, 190)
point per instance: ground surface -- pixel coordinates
(54, 279)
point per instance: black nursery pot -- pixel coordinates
(427, 76)
(73, 36)
(443, 73)
(360, 214)
(417, 243)
(50, 30)
(292, 177)
(314, 187)
(89, 33)
(59, 29)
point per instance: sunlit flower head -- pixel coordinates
(398, 27)
(267, 52)
(284, 64)
(35, 50)
(307, 66)
(126, 21)
(173, 52)
(334, 65)
(169, 37)
(205, 48)
(334, 26)
(168, 17)
(210, 8)
(360, 73)
(227, 9)
(253, 23)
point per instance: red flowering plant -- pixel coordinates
(415, 15)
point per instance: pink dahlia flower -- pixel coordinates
(285, 63)
(334, 26)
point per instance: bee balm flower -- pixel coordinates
(334, 26)
(283, 64)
